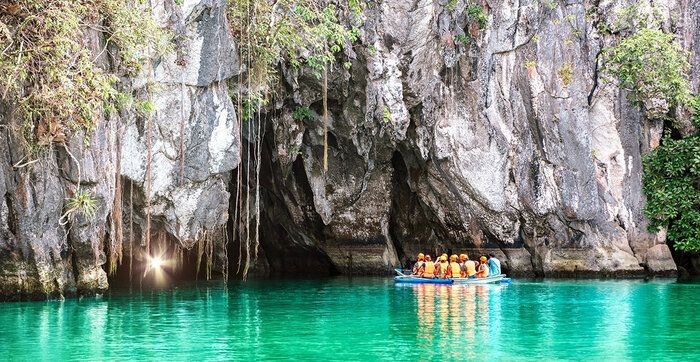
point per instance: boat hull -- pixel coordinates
(487, 280)
(418, 280)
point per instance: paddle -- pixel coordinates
(399, 272)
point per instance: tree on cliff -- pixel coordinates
(654, 68)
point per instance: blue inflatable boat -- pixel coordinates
(420, 280)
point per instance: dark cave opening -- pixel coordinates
(287, 247)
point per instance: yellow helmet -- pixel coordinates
(421, 256)
(453, 258)
(463, 257)
(483, 259)
(443, 257)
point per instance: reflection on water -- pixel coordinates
(364, 318)
(455, 316)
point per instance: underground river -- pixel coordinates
(363, 318)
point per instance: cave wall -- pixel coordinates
(189, 195)
(435, 144)
(439, 145)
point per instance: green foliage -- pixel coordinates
(462, 39)
(632, 17)
(550, 4)
(81, 203)
(477, 14)
(372, 49)
(650, 64)
(145, 108)
(672, 185)
(451, 5)
(301, 113)
(47, 72)
(387, 115)
(695, 106)
(301, 32)
(131, 29)
(251, 105)
(565, 74)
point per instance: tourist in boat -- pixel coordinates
(442, 267)
(419, 265)
(428, 268)
(483, 268)
(462, 259)
(454, 270)
(494, 265)
(469, 267)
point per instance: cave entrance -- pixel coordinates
(167, 265)
(288, 245)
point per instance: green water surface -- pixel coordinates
(362, 319)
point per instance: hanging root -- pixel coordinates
(210, 256)
(147, 233)
(325, 119)
(200, 253)
(115, 245)
(182, 129)
(131, 228)
(258, 157)
(224, 268)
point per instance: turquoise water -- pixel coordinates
(363, 318)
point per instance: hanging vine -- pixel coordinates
(306, 34)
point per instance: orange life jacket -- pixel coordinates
(455, 270)
(429, 269)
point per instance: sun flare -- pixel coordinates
(156, 262)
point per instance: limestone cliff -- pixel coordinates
(443, 136)
(446, 137)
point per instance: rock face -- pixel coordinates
(443, 137)
(194, 147)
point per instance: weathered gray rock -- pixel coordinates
(40, 255)
(659, 260)
(508, 143)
